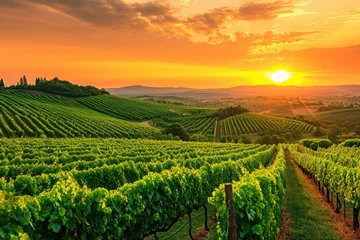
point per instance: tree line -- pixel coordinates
(229, 112)
(56, 86)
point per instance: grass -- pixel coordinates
(310, 219)
(197, 223)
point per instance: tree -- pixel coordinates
(223, 139)
(60, 87)
(236, 140)
(25, 83)
(265, 139)
(301, 117)
(333, 134)
(199, 138)
(228, 112)
(297, 134)
(275, 139)
(176, 129)
(2, 85)
(318, 132)
(246, 140)
(288, 136)
(357, 129)
(314, 146)
(228, 138)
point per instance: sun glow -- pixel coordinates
(280, 76)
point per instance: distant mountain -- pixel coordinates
(137, 90)
(240, 91)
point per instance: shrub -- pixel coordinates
(177, 129)
(352, 143)
(246, 140)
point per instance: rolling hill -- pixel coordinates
(254, 123)
(26, 114)
(344, 117)
(134, 109)
(36, 115)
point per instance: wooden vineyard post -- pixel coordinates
(206, 219)
(344, 208)
(231, 211)
(328, 194)
(356, 219)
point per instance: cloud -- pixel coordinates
(264, 11)
(260, 39)
(104, 13)
(217, 18)
(155, 14)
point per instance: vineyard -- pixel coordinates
(133, 109)
(335, 171)
(31, 115)
(79, 168)
(41, 115)
(128, 189)
(350, 117)
(254, 123)
(197, 124)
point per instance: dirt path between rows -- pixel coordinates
(337, 221)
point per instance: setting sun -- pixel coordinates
(280, 76)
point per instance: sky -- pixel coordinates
(187, 43)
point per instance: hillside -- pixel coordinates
(137, 90)
(254, 123)
(343, 117)
(59, 87)
(203, 124)
(212, 128)
(36, 115)
(44, 115)
(134, 109)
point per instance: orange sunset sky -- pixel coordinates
(189, 43)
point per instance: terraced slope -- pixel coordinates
(31, 115)
(252, 123)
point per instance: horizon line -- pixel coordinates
(236, 86)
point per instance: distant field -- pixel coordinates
(30, 115)
(303, 111)
(253, 123)
(342, 116)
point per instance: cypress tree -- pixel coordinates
(25, 81)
